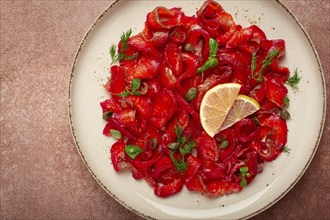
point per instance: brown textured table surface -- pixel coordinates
(42, 175)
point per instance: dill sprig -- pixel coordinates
(294, 80)
(124, 46)
(266, 62)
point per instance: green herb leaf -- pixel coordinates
(187, 148)
(253, 62)
(133, 150)
(115, 134)
(131, 57)
(136, 93)
(243, 182)
(269, 58)
(135, 84)
(112, 52)
(286, 150)
(124, 94)
(212, 61)
(214, 47)
(266, 62)
(178, 131)
(180, 164)
(124, 46)
(244, 170)
(294, 80)
(244, 173)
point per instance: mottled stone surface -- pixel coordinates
(42, 175)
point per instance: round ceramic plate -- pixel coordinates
(307, 108)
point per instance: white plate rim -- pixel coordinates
(69, 105)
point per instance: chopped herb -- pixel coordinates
(133, 150)
(286, 150)
(115, 134)
(294, 80)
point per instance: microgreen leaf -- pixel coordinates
(135, 84)
(244, 170)
(115, 134)
(243, 182)
(133, 150)
(214, 47)
(244, 173)
(124, 94)
(136, 93)
(212, 61)
(294, 80)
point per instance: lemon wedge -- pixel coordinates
(215, 106)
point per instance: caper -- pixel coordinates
(107, 115)
(189, 47)
(224, 144)
(285, 114)
(154, 143)
(191, 94)
(173, 146)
